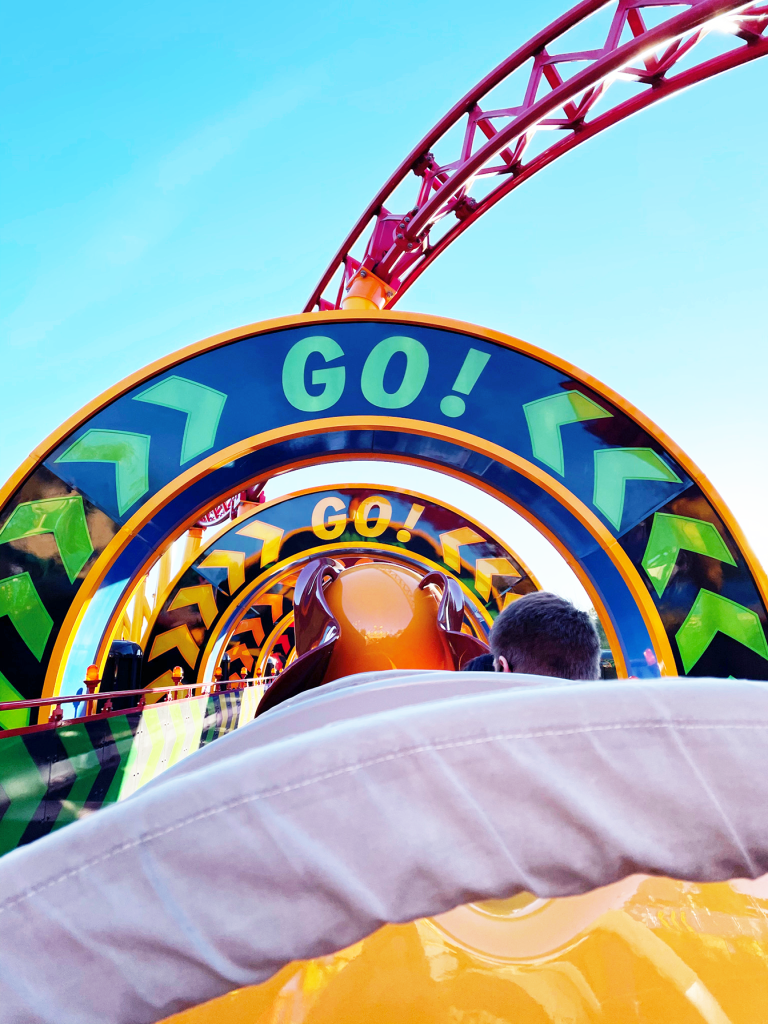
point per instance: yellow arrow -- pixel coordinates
(487, 568)
(271, 535)
(233, 562)
(451, 542)
(179, 637)
(166, 679)
(202, 596)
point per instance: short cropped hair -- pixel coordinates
(547, 636)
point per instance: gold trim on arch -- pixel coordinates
(271, 576)
(609, 544)
(42, 450)
(125, 598)
(75, 613)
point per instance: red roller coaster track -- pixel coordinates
(496, 151)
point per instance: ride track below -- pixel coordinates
(399, 247)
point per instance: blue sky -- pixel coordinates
(170, 171)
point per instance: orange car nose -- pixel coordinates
(386, 622)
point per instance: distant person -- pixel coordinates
(545, 635)
(274, 665)
(482, 663)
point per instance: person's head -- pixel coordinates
(545, 635)
(482, 663)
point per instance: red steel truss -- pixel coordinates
(562, 94)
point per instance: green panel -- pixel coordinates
(672, 534)
(11, 719)
(20, 601)
(128, 451)
(64, 517)
(124, 742)
(203, 406)
(711, 614)
(188, 724)
(197, 709)
(547, 415)
(154, 720)
(614, 467)
(143, 760)
(179, 730)
(85, 765)
(210, 710)
(124, 785)
(24, 787)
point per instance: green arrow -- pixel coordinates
(129, 452)
(24, 788)
(713, 614)
(11, 719)
(85, 765)
(63, 517)
(547, 415)
(20, 601)
(672, 534)
(118, 751)
(614, 467)
(203, 406)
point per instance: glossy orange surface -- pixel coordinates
(386, 621)
(645, 950)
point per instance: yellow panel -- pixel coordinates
(451, 542)
(642, 951)
(271, 535)
(487, 568)
(201, 595)
(233, 562)
(179, 638)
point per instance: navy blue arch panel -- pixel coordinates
(123, 455)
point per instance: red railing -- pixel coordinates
(57, 716)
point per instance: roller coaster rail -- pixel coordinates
(495, 150)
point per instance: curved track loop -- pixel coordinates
(494, 153)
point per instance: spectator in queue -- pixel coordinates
(545, 635)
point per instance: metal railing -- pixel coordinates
(57, 715)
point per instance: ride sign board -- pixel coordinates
(666, 566)
(264, 548)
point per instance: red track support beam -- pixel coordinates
(556, 99)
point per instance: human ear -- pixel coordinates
(502, 665)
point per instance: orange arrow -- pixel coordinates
(254, 627)
(451, 542)
(233, 562)
(179, 637)
(487, 568)
(272, 601)
(202, 596)
(271, 535)
(241, 652)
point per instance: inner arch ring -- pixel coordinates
(614, 585)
